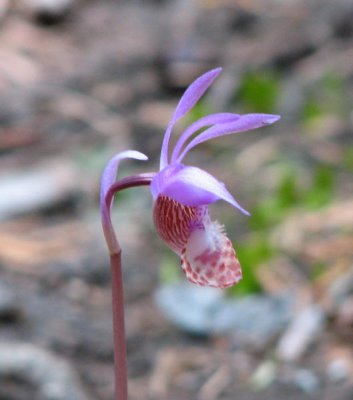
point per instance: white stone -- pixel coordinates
(301, 332)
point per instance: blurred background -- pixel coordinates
(81, 80)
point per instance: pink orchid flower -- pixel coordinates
(182, 193)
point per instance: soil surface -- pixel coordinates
(86, 79)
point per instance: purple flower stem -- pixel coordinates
(120, 356)
(128, 182)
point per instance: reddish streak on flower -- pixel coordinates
(173, 221)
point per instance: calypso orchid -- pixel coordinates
(181, 197)
(182, 193)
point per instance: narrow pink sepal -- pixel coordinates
(243, 123)
(191, 96)
(203, 122)
(108, 179)
(194, 92)
(111, 169)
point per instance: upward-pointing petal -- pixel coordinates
(243, 123)
(191, 96)
(108, 179)
(111, 169)
(195, 91)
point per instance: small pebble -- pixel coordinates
(252, 320)
(51, 375)
(306, 380)
(304, 329)
(338, 370)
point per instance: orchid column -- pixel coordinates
(180, 213)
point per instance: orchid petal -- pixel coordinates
(191, 96)
(195, 91)
(108, 179)
(111, 169)
(191, 186)
(208, 120)
(243, 123)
